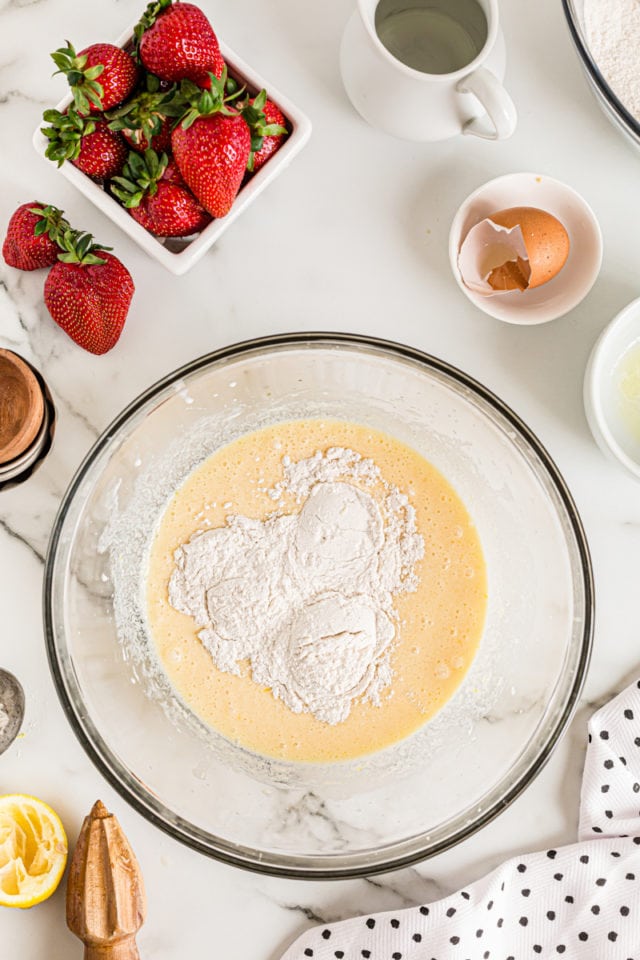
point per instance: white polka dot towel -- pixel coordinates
(580, 901)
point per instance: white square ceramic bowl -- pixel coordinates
(178, 255)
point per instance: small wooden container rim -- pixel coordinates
(21, 406)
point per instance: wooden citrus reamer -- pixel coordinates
(106, 903)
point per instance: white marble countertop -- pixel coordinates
(360, 224)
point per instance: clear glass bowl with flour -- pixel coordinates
(606, 35)
(336, 818)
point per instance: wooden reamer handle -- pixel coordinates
(106, 903)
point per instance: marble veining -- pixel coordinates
(4, 526)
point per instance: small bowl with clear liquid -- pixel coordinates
(428, 70)
(612, 389)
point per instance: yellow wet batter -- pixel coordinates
(440, 625)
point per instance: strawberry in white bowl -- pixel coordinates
(192, 99)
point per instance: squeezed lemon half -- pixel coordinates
(33, 850)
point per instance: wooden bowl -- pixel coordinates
(21, 406)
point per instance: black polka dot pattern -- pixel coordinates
(581, 900)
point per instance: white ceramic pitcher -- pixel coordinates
(413, 105)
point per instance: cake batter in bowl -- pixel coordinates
(346, 812)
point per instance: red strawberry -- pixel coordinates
(157, 198)
(172, 212)
(100, 76)
(102, 153)
(88, 293)
(89, 144)
(177, 42)
(268, 128)
(211, 145)
(212, 155)
(30, 241)
(172, 174)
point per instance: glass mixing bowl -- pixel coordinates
(390, 808)
(613, 108)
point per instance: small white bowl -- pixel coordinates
(572, 284)
(601, 400)
(178, 255)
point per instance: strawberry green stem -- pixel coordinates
(255, 118)
(140, 176)
(191, 101)
(76, 246)
(82, 80)
(52, 222)
(65, 133)
(143, 112)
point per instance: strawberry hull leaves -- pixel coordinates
(78, 246)
(140, 176)
(65, 133)
(142, 120)
(87, 143)
(30, 243)
(268, 130)
(100, 76)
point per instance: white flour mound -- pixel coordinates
(306, 599)
(612, 29)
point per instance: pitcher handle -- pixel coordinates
(499, 106)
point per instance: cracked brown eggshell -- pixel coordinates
(545, 238)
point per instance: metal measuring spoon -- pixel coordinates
(11, 708)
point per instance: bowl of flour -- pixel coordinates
(606, 34)
(318, 605)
